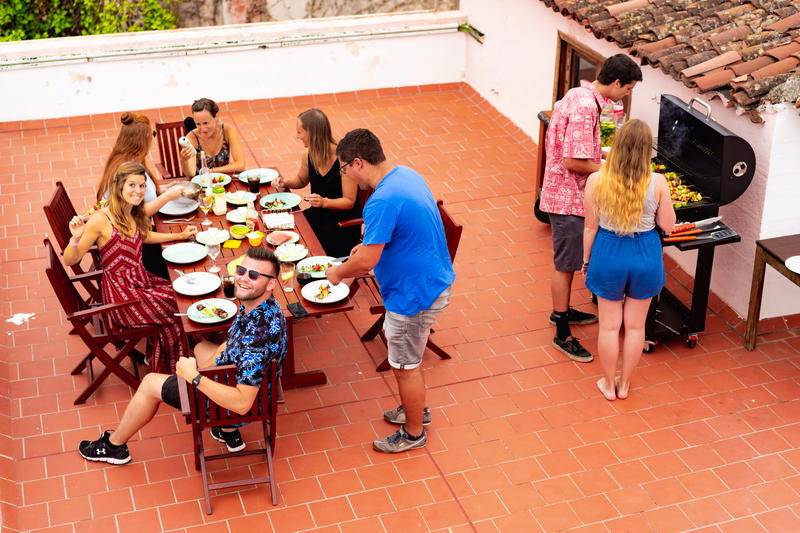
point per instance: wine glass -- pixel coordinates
(205, 206)
(213, 253)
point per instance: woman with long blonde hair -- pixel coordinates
(119, 229)
(133, 143)
(623, 261)
(333, 194)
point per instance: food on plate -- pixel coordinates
(275, 203)
(324, 291)
(317, 267)
(276, 238)
(212, 312)
(217, 178)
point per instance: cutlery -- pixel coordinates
(691, 225)
(179, 314)
(342, 259)
(189, 279)
(178, 220)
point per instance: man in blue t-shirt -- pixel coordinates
(405, 244)
(256, 336)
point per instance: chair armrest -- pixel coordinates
(350, 223)
(183, 393)
(86, 275)
(163, 171)
(100, 310)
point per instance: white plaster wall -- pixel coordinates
(515, 69)
(140, 82)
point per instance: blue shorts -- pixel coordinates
(626, 265)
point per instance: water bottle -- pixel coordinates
(619, 115)
(204, 172)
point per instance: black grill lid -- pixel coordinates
(717, 161)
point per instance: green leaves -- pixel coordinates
(39, 19)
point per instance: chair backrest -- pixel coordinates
(59, 211)
(452, 230)
(362, 196)
(70, 299)
(167, 135)
(205, 413)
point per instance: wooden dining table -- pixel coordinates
(289, 376)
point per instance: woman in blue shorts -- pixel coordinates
(623, 261)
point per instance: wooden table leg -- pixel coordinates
(290, 378)
(756, 291)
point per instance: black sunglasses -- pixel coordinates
(252, 274)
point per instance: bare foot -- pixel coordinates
(609, 394)
(622, 392)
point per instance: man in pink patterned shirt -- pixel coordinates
(573, 151)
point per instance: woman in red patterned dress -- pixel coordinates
(119, 230)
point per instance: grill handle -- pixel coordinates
(702, 103)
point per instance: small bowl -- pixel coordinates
(239, 231)
(190, 189)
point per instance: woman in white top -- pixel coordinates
(623, 260)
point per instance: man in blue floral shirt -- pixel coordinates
(256, 337)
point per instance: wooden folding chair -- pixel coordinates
(203, 413)
(92, 322)
(59, 211)
(167, 135)
(361, 200)
(452, 233)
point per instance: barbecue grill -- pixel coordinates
(720, 165)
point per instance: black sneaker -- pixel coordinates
(576, 317)
(573, 349)
(399, 442)
(101, 450)
(232, 439)
(398, 416)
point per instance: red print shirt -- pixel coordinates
(574, 133)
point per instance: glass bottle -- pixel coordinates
(204, 172)
(220, 205)
(608, 124)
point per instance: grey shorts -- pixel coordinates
(567, 242)
(406, 336)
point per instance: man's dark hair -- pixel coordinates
(619, 67)
(360, 143)
(262, 254)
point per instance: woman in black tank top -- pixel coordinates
(332, 195)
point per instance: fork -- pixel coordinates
(178, 220)
(189, 279)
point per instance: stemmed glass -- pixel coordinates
(213, 253)
(205, 206)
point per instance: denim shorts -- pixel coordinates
(406, 336)
(626, 265)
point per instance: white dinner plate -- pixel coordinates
(290, 251)
(293, 237)
(212, 236)
(181, 206)
(184, 253)
(202, 283)
(237, 216)
(240, 197)
(306, 265)
(265, 174)
(196, 315)
(225, 179)
(337, 292)
(282, 200)
(793, 263)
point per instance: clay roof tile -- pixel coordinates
(779, 67)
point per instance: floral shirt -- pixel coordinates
(573, 133)
(255, 339)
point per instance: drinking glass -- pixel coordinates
(228, 287)
(254, 184)
(304, 278)
(213, 253)
(205, 206)
(287, 275)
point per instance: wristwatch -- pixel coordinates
(196, 380)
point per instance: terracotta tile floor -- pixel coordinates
(521, 439)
